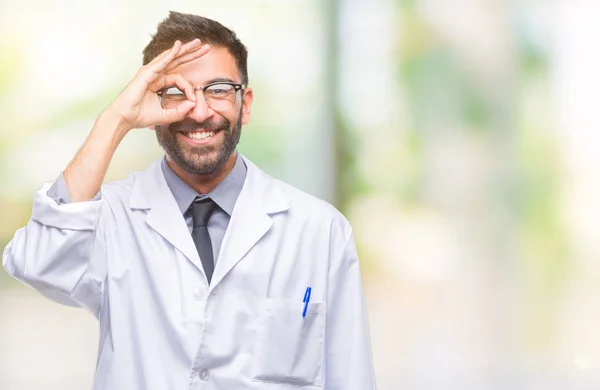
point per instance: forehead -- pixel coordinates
(217, 63)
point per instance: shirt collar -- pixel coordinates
(224, 195)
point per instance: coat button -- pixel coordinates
(204, 374)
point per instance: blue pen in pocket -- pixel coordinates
(306, 300)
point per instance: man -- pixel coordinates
(204, 272)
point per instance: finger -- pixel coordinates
(187, 57)
(177, 113)
(151, 71)
(177, 80)
(162, 55)
(190, 46)
(183, 49)
(160, 62)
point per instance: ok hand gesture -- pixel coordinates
(139, 106)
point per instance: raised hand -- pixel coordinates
(139, 106)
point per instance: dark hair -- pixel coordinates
(186, 28)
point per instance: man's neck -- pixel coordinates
(203, 184)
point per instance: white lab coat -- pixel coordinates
(129, 259)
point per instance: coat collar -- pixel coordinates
(225, 194)
(260, 198)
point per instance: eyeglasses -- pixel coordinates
(219, 96)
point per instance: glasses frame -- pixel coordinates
(237, 87)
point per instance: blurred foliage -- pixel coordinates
(11, 63)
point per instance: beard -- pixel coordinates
(200, 159)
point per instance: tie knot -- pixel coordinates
(202, 210)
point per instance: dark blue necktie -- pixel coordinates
(201, 212)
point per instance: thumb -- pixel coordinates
(176, 113)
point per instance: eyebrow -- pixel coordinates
(220, 80)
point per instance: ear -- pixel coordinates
(246, 105)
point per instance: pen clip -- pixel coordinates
(306, 300)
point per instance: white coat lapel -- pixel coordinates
(152, 192)
(259, 199)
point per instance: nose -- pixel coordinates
(201, 110)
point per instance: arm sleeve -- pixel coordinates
(60, 192)
(348, 360)
(61, 251)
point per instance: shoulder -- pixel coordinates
(137, 188)
(313, 209)
(119, 191)
(315, 221)
(122, 186)
(303, 207)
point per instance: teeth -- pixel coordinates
(200, 135)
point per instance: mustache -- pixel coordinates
(187, 126)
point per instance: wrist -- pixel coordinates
(111, 119)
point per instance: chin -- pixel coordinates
(206, 165)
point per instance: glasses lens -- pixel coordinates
(172, 95)
(220, 97)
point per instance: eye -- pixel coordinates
(217, 90)
(172, 92)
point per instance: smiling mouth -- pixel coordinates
(200, 135)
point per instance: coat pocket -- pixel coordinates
(289, 347)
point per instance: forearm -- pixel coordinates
(87, 170)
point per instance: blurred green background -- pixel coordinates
(458, 136)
